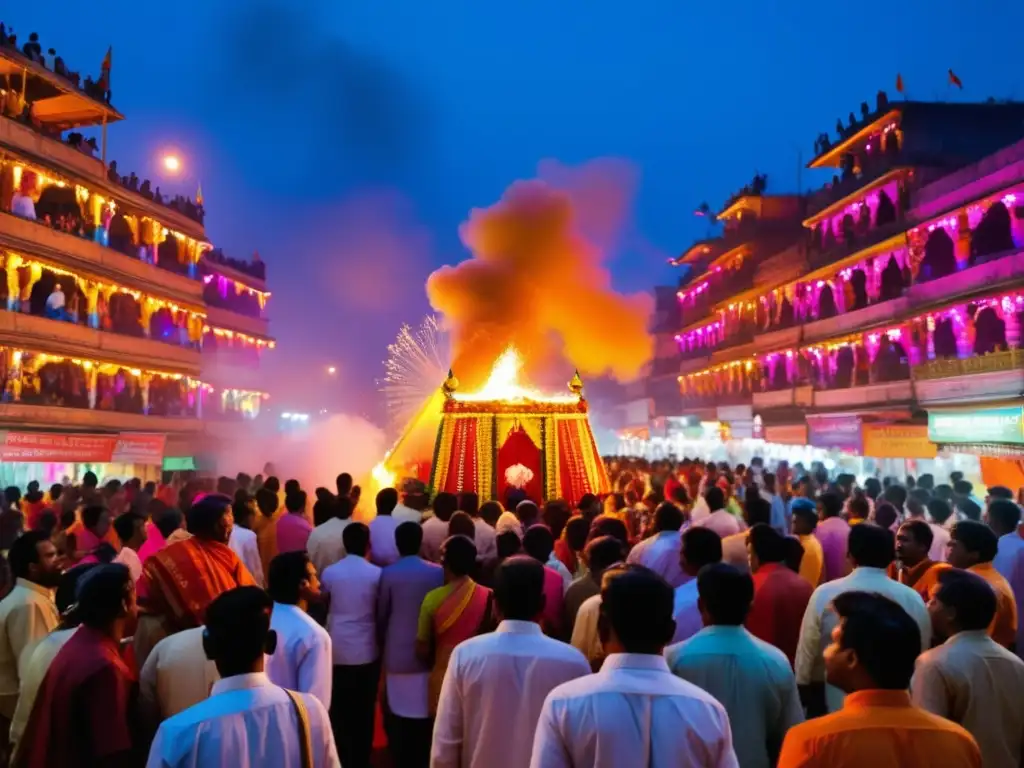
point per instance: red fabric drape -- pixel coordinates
(570, 462)
(462, 462)
(520, 449)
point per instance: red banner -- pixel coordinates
(46, 447)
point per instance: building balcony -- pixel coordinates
(852, 322)
(74, 253)
(224, 318)
(21, 138)
(981, 277)
(251, 273)
(734, 349)
(995, 376)
(802, 397)
(870, 395)
(80, 419)
(58, 337)
(784, 338)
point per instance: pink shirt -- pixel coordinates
(293, 533)
(551, 618)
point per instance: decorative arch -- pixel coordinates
(939, 256)
(885, 212)
(994, 233)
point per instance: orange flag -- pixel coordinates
(899, 82)
(199, 195)
(108, 59)
(954, 80)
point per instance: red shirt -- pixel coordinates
(81, 714)
(780, 599)
(554, 587)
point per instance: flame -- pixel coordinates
(382, 476)
(503, 383)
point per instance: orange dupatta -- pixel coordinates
(460, 617)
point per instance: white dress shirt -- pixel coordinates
(486, 540)
(751, 679)
(820, 620)
(302, 660)
(585, 637)
(324, 545)
(660, 553)
(383, 548)
(634, 712)
(129, 558)
(404, 514)
(56, 300)
(435, 531)
(940, 538)
(493, 693)
(243, 543)
(686, 613)
(32, 672)
(27, 615)
(721, 522)
(176, 675)
(975, 682)
(247, 721)
(353, 584)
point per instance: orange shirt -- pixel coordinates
(1003, 628)
(879, 729)
(813, 561)
(922, 578)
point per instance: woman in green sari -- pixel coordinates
(450, 614)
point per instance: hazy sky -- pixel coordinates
(347, 142)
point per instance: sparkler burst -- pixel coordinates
(417, 363)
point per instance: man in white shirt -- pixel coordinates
(634, 712)
(751, 679)
(28, 613)
(435, 529)
(247, 721)
(719, 520)
(351, 586)
(35, 661)
(485, 537)
(414, 500)
(55, 304)
(243, 539)
(701, 546)
(382, 529)
(22, 205)
(871, 550)
(325, 544)
(660, 552)
(177, 675)
(971, 679)
(496, 683)
(302, 660)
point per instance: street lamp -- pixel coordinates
(331, 370)
(172, 163)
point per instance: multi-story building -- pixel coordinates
(124, 338)
(889, 327)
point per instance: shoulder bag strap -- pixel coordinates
(305, 735)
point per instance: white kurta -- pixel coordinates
(493, 692)
(243, 542)
(302, 660)
(176, 675)
(247, 721)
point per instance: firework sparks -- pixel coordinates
(417, 363)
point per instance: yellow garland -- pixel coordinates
(444, 453)
(551, 458)
(484, 457)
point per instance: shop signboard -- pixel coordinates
(786, 434)
(985, 425)
(57, 447)
(839, 432)
(898, 441)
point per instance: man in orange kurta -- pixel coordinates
(265, 527)
(871, 658)
(972, 547)
(912, 565)
(182, 579)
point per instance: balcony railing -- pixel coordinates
(993, 362)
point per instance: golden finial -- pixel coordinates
(576, 384)
(450, 384)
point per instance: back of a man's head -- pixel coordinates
(519, 588)
(884, 638)
(725, 594)
(204, 518)
(386, 501)
(285, 575)
(458, 555)
(1003, 515)
(831, 505)
(344, 484)
(636, 608)
(408, 538)
(668, 517)
(768, 545)
(66, 595)
(469, 502)
(714, 498)
(527, 512)
(356, 539)
(539, 543)
(871, 547)
(969, 597)
(237, 626)
(976, 539)
(102, 593)
(701, 546)
(604, 552)
(445, 505)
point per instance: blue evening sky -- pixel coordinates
(347, 141)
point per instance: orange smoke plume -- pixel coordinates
(537, 281)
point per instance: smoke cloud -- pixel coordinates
(537, 278)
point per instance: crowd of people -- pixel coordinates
(700, 614)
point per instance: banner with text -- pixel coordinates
(985, 425)
(898, 441)
(54, 447)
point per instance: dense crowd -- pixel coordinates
(700, 614)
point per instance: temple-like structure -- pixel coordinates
(125, 338)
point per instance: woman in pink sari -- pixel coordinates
(450, 614)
